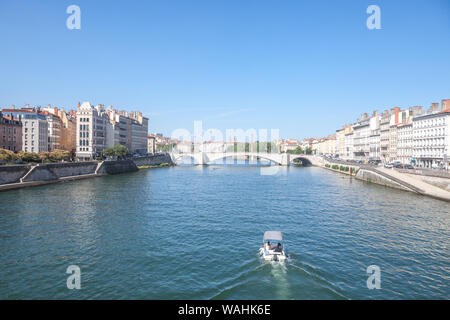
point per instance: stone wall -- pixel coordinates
(443, 183)
(153, 160)
(374, 177)
(54, 171)
(13, 173)
(116, 167)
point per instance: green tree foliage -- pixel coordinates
(28, 156)
(117, 151)
(7, 155)
(298, 150)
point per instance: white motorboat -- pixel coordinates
(273, 247)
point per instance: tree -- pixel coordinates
(7, 155)
(28, 156)
(58, 155)
(117, 151)
(297, 150)
(109, 152)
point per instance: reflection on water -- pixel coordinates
(192, 232)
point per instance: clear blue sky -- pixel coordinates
(305, 67)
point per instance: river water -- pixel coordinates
(192, 232)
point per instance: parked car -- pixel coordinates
(398, 166)
(408, 166)
(388, 165)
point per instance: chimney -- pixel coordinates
(446, 105)
(395, 113)
(434, 107)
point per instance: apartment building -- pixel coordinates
(340, 142)
(404, 140)
(361, 138)
(385, 120)
(348, 132)
(431, 136)
(130, 130)
(151, 144)
(374, 137)
(139, 132)
(54, 130)
(10, 132)
(289, 145)
(66, 134)
(395, 120)
(91, 131)
(34, 128)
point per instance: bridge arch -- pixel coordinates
(305, 161)
(176, 158)
(214, 157)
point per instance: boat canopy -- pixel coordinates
(273, 235)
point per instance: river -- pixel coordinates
(191, 232)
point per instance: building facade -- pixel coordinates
(431, 138)
(340, 142)
(374, 137)
(54, 131)
(361, 134)
(34, 129)
(91, 131)
(10, 132)
(385, 120)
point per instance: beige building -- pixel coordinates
(348, 132)
(289, 145)
(340, 142)
(326, 146)
(397, 117)
(64, 136)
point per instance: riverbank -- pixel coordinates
(435, 187)
(23, 176)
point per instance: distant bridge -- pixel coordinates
(282, 159)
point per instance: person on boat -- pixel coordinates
(279, 248)
(268, 247)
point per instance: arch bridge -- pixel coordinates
(282, 159)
